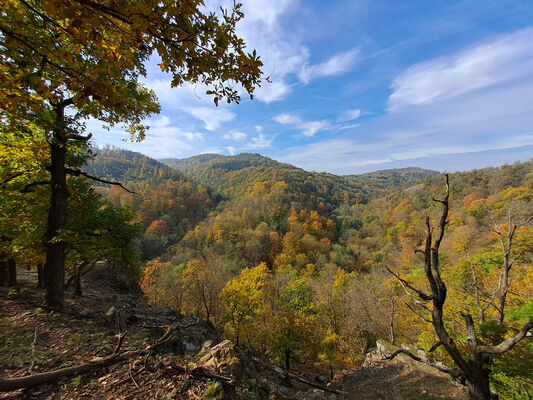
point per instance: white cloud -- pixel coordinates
(471, 129)
(281, 51)
(310, 128)
(180, 97)
(211, 117)
(349, 115)
(287, 119)
(349, 126)
(259, 142)
(336, 65)
(306, 128)
(237, 136)
(231, 150)
(486, 64)
(192, 100)
(276, 90)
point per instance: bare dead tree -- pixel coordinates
(506, 241)
(473, 362)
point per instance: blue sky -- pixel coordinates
(364, 85)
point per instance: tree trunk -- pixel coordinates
(12, 272)
(55, 248)
(478, 384)
(77, 279)
(287, 360)
(4, 274)
(40, 276)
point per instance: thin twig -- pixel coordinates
(33, 351)
(120, 340)
(132, 378)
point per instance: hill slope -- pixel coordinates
(392, 178)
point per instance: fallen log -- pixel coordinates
(7, 385)
(295, 377)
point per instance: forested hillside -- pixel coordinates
(293, 264)
(380, 181)
(311, 268)
(166, 203)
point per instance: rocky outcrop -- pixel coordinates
(223, 359)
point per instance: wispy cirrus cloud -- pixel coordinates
(491, 62)
(283, 52)
(212, 118)
(349, 115)
(235, 135)
(306, 128)
(335, 65)
(489, 109)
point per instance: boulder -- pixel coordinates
(223, 359)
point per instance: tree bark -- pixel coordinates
(54, 270)
(40, 276)
(77, 279)
(12, 272)
(478, 384)
(287, 360)
(4, 274)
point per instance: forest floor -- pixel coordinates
(34, 339)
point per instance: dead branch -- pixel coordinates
(120, 340)
(203, 372)
(33, 351)
(173, 326)
(10, 178)
(133, 379)
(29, 186)
(295, 377)
(508, 343)
(452, 372)
(435, 347)
(417, 313)
(421, 294)
(77, 172)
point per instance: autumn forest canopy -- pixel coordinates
(303, 269)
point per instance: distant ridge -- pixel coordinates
(190, 162)
(228, 163)
(392, 178)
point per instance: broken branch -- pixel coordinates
(297, 378)
(77, 172)
(452, 372)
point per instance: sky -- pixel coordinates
(363, 85)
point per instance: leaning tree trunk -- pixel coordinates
(12, 272)
(54, 269)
